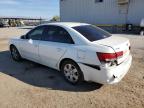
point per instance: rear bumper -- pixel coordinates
(110, 75)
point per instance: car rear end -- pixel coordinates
(113, 65)
(109, 59)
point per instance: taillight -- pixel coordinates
(119, 54)
(106, 56)
(109, 56)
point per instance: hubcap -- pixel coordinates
(71, 73)
(14, 53)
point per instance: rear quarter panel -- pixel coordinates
(85, 53)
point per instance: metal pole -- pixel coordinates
(127, 12)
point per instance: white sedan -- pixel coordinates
(80, 51)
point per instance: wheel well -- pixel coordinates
(12, 46)
(66, 59)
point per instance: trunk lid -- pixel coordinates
(118, 44)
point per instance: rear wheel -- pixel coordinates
(72, 72)
(15, 54)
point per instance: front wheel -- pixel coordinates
(72, 72)
(15, 54)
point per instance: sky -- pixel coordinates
(29, 8)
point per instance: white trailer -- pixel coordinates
(102, 12)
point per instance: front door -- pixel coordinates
(30, 45)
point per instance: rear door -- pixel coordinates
(54, 44)
(30, 45)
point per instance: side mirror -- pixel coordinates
(23, 37)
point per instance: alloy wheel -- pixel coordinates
(71, 73)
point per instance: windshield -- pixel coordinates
(92, 33)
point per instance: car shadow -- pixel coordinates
(40, 76)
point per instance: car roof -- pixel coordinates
(67, 24)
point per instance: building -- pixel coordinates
(103, 12)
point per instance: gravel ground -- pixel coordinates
(29, 85)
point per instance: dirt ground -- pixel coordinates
(29, 85)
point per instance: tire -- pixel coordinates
(71, 72)
(15, 54)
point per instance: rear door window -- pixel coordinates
(57, 34)
(92, 33)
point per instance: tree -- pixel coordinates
(55, 18)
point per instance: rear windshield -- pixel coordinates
(92, 33)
